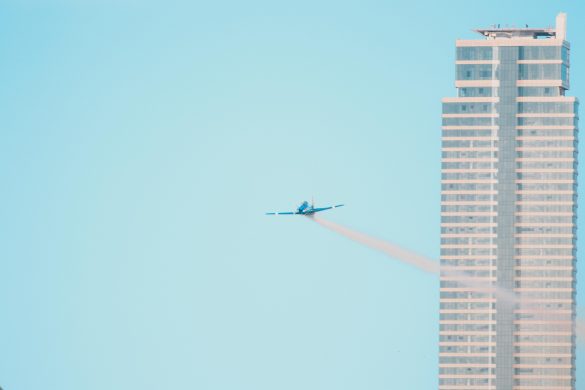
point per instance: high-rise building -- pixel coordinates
(508, 204)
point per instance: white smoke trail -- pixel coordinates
(433, 267)
(419, 261)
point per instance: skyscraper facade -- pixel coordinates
(508, 214)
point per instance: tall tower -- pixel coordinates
(508, 214)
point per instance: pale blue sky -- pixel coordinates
(141, 144)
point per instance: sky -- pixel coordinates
(141, 143)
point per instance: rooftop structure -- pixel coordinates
(527, 33)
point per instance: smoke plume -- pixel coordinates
(433, 267)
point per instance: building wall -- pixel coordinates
(508, 206)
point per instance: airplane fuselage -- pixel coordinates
(305, 209)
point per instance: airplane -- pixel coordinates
(305, 209)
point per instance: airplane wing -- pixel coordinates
(282, 213)
(326, 208)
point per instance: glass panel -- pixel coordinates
(469, 121)
(476, 92)
(474, 72)
(539, 53)
(466, 108)
(539, 72)
(565, 55)
(565, 73)
(545, 107)
(539, 91)
(474, 53)
(544, 121)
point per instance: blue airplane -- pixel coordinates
(305, 209)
